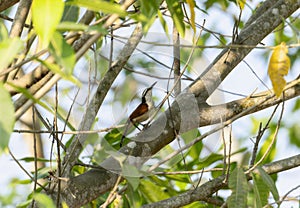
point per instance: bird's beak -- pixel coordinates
(152, 85)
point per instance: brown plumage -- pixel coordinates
(142, 112)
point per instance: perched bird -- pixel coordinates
(142, 113)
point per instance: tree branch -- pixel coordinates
(96, 102)
(205, 191)
(6, 4)
(188, 104)
(252, 35)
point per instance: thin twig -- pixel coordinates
(208, 133)
(271, 144)
(57, 146)
(112, 194)
(25, 171)
(259, 136)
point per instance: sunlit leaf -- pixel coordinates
(149, 10)
(44, 200)
(279, 66)
(191, 4)
(134, 197)
(239, 187)
(152, 191)
(66, 26)
(99, 5)
(63, 53)
(163, 22)
(241, 3)
(9, 48)
(7, 118)
(294, 134)
(46, 15)
(3, 32)
(175, 9)
(27, 94)
(57, 70)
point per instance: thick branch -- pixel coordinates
(161, 132)
(6, 4)
(250, 36)
(102, 90)
(203, 192)
(20, 18)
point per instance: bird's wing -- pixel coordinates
(139, 111)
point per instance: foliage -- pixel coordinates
(68, 53)
(278, 67)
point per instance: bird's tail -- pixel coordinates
(125, 132)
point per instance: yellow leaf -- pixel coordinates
(279, 66)
(241, 3)
(191, 4)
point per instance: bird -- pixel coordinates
(142, 112)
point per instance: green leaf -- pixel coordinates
(163, 22)
(73, 26)
(133, 181)
(175, 9)
(46, 15)
(152, 191)
(269, 182)
(9, 48)
(261, 191)
(149, 10)
(70, 14)
(3, 32)
(191, 4)
(296, 106)
(32, 159)
(134, 197)
(239, 187)
(63, 53)
(294, 134)
(57, 70)
(209, 160)
(99, 5)
(44, 200)
(7, 118)
(25, 92)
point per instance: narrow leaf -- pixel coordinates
(100, 5)
(44, 200)
(9, 48)
(191, 4)
(7, 118)
(261, 191)
(3, 32)
(175, 9)
(152, 191)
(279, 66)
(163, 22)
(70, 14)
(46, 15)
(66, 26)
(27, 94)
(241, 3)
(269, 182)
(63, 53)
(57, 70)
(239, 187)
(149, 9)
